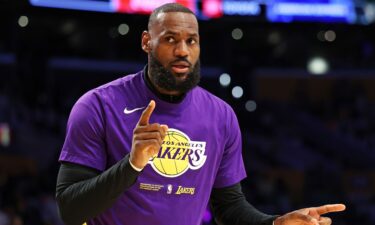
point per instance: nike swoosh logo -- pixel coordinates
(129, 111)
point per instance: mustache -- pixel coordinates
(181, 60)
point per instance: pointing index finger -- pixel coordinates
(330, 208)
(146, 114)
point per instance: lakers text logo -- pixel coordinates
(178, 154)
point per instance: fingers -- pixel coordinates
(329, 208)
(146, 114)
(153, 131)
(297, 216)
(147, 138)
(310, 216)
(151, 146)
(164, 127)
(150, 128)
(150, 135)
(325, 221)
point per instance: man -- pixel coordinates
(154, 148)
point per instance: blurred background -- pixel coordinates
(300, 76)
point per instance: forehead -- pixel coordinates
(176, 22)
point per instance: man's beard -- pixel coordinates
(163, 77)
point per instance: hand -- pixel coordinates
(309, 216)
(147, 138)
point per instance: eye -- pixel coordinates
(169, 39)
(192, 41)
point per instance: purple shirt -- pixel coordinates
(202, 150)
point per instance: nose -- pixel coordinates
(181, 49)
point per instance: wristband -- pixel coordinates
(134, 167)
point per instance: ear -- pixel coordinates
(146, 41)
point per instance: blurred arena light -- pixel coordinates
(237, 92)
(285, 11)
(68, 27)
(274, 38)
(369, 11)
(23, 21)
(237, 34)
(4, 135)
(96, 6)
(330, 35)
(251, 106)
(317, 66)
(322, 11)
(224, 79)
(123, 29)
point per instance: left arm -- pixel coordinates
(229, 206)
(229, 203)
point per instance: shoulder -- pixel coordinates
(115, 86)
(217, 110)
(212, 101)
(108, 91)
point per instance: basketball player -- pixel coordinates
(153, 148)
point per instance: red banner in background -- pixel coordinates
(212, 8)
(146, 6)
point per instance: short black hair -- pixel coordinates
(169, 7)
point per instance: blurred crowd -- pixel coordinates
(310, 140)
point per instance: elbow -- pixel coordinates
(63, 212)
(67, 215)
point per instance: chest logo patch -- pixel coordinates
(178, 154)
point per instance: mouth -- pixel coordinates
(181, 68)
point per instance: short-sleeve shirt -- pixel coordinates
(202, 150)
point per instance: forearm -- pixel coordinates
(231, 208)
(83, 193)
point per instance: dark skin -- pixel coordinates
(175, 36)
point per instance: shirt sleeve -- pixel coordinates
(79, 189)
(229, 206)
(84, 142)
(231, 169)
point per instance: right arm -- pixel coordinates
(83, 192)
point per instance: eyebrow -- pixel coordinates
(176, 33)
